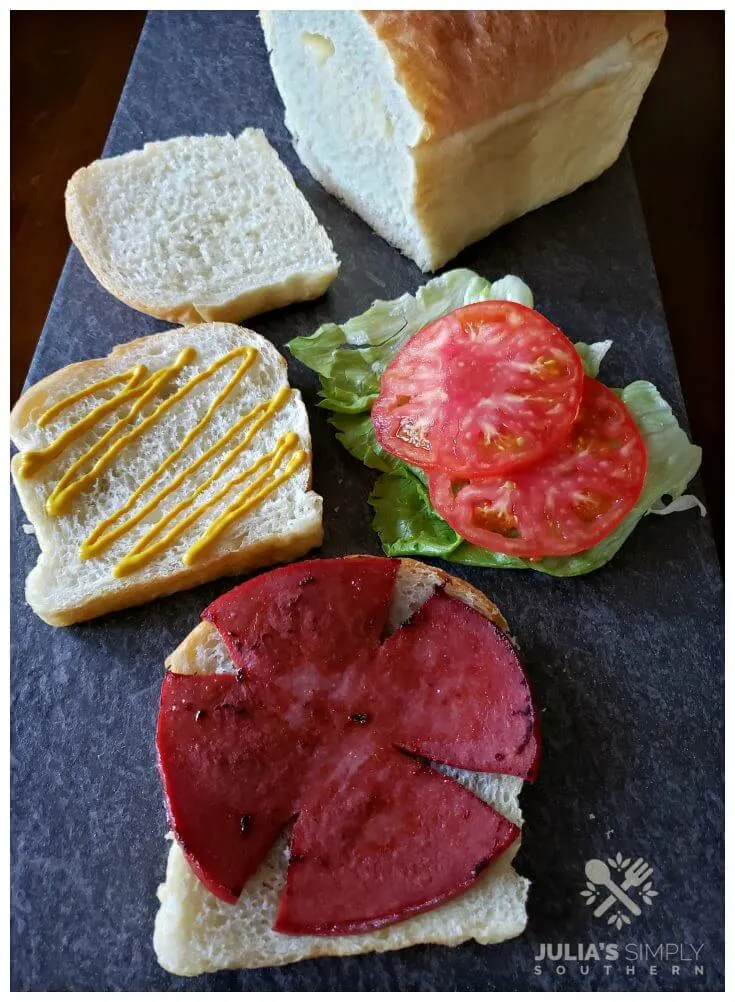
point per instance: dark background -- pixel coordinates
(67, 71)
(626, 663)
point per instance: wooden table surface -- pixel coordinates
(67, 71)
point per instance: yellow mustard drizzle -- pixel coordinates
(248, 499)
(145, 549)
(68, 487)
(99, 539)
(129, 377)
(35, 459)
(141, 387)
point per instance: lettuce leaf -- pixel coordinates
(406, 522)
(592, 355)
(350, 359)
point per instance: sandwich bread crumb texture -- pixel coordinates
(199, 228)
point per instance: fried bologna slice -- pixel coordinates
(196, 932)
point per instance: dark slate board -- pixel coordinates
(626, 663)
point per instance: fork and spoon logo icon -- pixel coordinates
(635, 874)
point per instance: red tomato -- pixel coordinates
(564, 503)
(485, 389)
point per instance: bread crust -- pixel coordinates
(459, 68)
(277, 549)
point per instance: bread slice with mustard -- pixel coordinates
(179, 458)
(439, 126)
(197, 932)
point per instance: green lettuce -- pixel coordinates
(350, 359)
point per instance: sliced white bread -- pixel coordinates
(199, 228)
(439, 126)
(195, 932)
(63, 588)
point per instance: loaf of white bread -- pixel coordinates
(196, 932)
(439, 126)
(178, 458)
(199, 228)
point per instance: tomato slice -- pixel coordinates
(564, 503)
(484, 389)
